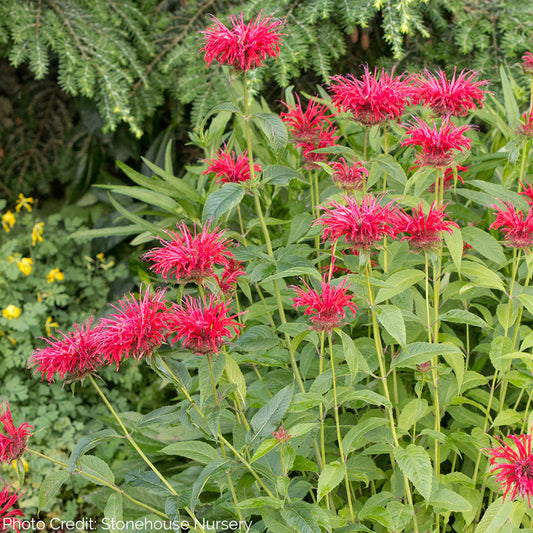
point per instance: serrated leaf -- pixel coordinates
(274, 130)
(412, 412)
(263, 448)
(113, 512)
(51, 485)
(461, 316)
(391, 318)
(454, 243)
(235, 376)
(421, 352)
(221, 201)
(300, 517)
(351, 440)
(331, 475)
(88, 443)
(96, 467)
(397, 283)
(484, 243)
(209, 470)
(158, 416)
(449, 500)
(481, 275)
(267, 419)
(193, 449)
(294, 272)
(300, 226)
(414, 462)
(495, 516)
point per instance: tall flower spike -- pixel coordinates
(438, 144)
(9, 518)
(514, 466)
(372, 99)
(349, 177)
(73, 357)
(449, 97)
(229, 167)
(242, 46)
(203, 327)
(326, 309)
(362, 224)
(517, 230)
(422, 230)
(13, 443)
(527, 63)
(308, 125)
(189, 256)
(137, 329)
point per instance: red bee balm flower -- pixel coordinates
(372, 99)
(13, 443)
(242, 46)
(203, 328)
(362, 224)
(526, 129)
(189, 256)
(527, 64)
(281, 435)
(230, 167)
(449, 97)
(327, 138)
(518, 230)
(347, 176)
(326, 309)
(74, 356)
(528, 191)
(438, 144)
(422, 231)
(228, 279)
(514, 466)
(9, 518)
(139, 327)
(307, 125)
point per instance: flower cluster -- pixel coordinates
(229, 167)
(9, 517)
(349, 177)
(527, 63)
(13, 442)
(517, 228)
(243, 46)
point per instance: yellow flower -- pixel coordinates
(49, 325)
(24, 202)
(37, 232)
(25, 265)
(8, 220)
(13, 258)
(11, 311)
(54, 274)
(100, 257)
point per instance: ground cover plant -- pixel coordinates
(337, 297)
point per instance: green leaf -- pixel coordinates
(421, 352)
(113, 511)
(235, 376)
(415, 464)
(300, 517)
(144, 195)
(51, 485)
(527, 301)
(484, 243)
(300, 226)
(221, 201)
(460, 316)
(454, 242)
(87, 443)
(209, 470)
(96, 467)
(507, 417)
(331, 475)
(391, 167)
(495, 516)
(412, 412)
(274, 130)
(130, 229)
(391, 319)
(158, 416)
(397, 283)
(281, 175)
(448, 500)
(267, 419)
(294, 272)
(258, 339)
(354, 439)
(420, 180)
(367, 396)
(509, 100)
(351, 353)
(481, 275)
(263, 448)
(193, 449)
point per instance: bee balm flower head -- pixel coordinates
(513, 462)
(438, 143)
(137, 329)
(73, 357)
(187, 256)
(13, 442)
(9, 518)
(363, 224)
(242, 46)
(449, 97)
(326, 309)
(527, 63)
(349, 177)
(517, 229)
(230, 167)
(372, 99)
(203, 327)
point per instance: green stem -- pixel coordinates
(99, 481)
(322, 426)
(214, 385)
(137, 448)
(437, 182)
(365, 145)
(241, 224)
(523, 163)
(383, 375)
(385, 151)
(337, 423)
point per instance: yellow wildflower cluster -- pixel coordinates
(11, 311)
(49, 325)
(25, 265)
(54, 274)
(25, 202)
(8, 221)
(37, 232)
